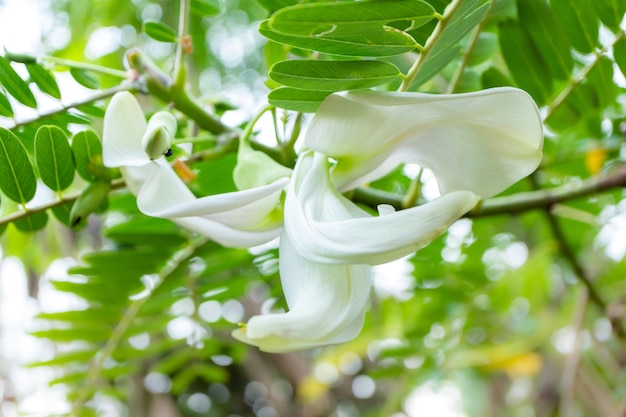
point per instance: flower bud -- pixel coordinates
(89, 200)
(159, 134)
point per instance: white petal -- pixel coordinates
(482, 142)
(326, 227)
(124, 127)
(238, 219)
(326, 305)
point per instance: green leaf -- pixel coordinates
(14, 84)
(53, 156)
(32, 222)
(373, 45)
(274, 52)
(5, 106)
(333, 75)
(485, 47)
(611, 12)
(526, 65)
(601, 80)
(62, 213)
(44, 80)
(305, 101)
(538, 20)
(579, 22)
(85, 78)
(469, 14)
(492, 77)
(159, 31)
(17, 177)
(619, 53)
(87, 150)
(349, 18)
(273, 5)
(205, 7)
(350, 28)
(21, 58)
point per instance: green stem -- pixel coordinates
(85, 66)
(99, 96)
(546, 198)
(127, 320)
(244, 138)
(68, 198)
(413, 194)
(430, 44)
(458, 75)
(564, 94)
(161, 86)
(513, 204)
(180, 73)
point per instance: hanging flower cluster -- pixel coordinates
(476, 144)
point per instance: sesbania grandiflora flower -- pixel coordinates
(237, 219)
(476, 144)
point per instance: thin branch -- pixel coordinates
(568, 253)
(456, 78)
(513, 204)
(179, 62)
(430, 44)
(127, 319)
(564, 94)
(86, 66)
(98, 96)
(568, 380)
(546, 198)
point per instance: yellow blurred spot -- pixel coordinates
(183, 171)
(527, 364)
(311, 390)
(594, 159)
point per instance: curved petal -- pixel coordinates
(240, 219)
(326, 305)
(124, 127)
(228, 236)
(482, 142)
(326, 227)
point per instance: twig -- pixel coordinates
(430, 44)
(98, 96)
(456, 78)
(564, 94)
(568, 380)
(513, 204)
(568, 253)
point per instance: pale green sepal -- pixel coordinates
(255, 168)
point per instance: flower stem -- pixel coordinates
(98, 96)
(429, 45)
(85, 66)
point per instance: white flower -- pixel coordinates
(326, 305)
(238, 219)
(476, 144)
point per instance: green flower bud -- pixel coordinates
(89, 200)
(159, 134)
